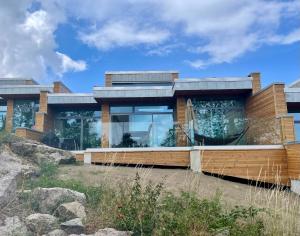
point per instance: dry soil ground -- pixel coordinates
(175, 180)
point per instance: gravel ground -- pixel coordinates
(176, 180)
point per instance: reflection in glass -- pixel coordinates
(24, 113)
(219, 122)
(79, 129)
(144, 126)
(3, 110)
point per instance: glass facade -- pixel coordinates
(296, 125)
(218, 122)
(141, 126)
(24, 113)
(78, 129)
(3, 110)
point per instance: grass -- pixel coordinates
(150, 210)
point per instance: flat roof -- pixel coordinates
(71, 98)
(24, 89)
(292, 95)
(140, 72)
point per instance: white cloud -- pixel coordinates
(27, 44)
(68, 64)
(123, 34)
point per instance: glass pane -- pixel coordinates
(91, 133)
(218, 122)
(153, 109)
(24, 113)
(3, 109)
(140, 129)
(163, 130)
(119, 132)
(297, 131)
(121, 109)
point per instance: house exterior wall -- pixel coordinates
(105, 125)
(108, 80)
(256, 84)
(59, 87)
(293, 160)
(180, 110)
(44, 119)
(264, 110)
(9, 115)
(29, 134)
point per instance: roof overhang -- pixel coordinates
(71, 98)
(23, 90)
(292, 95)
(213, 84)
(133, 92)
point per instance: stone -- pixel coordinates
(13, 226)
(41, 223)
(48, 199)
(56, 232)
(112, 232)
(73, 226)
(38, 153)
(70, 210)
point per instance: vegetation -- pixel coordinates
(149, 210)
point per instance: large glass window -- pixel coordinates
(141, 126)
(218, 122)
(78, 129)
(3, 110)
(24, 113)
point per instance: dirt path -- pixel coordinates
(176, 180)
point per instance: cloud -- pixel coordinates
(28, 46)
(67, 64)
(123, 34)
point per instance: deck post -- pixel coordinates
(295, 186)
(195, 160)
(87, 158)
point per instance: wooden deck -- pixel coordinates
(275, 164)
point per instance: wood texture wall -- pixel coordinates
(258, 165)
(59, 87)
(105, 125)
(293, 160)
(163, 158)
(263, 111)
(108, 80)
(29, 134)
(9, 115)
(181, 139)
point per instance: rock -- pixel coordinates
(74, 226)
(13, 226)
(10, 171)
(41, 223)
(48, 199)
(38, 153)
(71, 210)
(57, 232)
(112, 232)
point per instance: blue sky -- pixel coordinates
(77, 41)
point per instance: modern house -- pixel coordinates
(153, 117)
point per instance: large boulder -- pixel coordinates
(70, 210)
(41, 223)
(74, 226)
(39, 153)
(112, 232)
(47, 200)
(56, 232)
(13, 226)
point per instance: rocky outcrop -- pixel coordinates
(73, 226)
(41, 223)
(38, 153)
(112, 232)
(56, 232)
(13, 226)
(48, 199)
(71, 210)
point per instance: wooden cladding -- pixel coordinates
(180, 119)
(9, 115)
(264, 111)
(59, 87)
(293, 160)
(287, 129)
(108, 80)
(256, 84)
(163, 158)
(105, 125)
(29, 134)
(257, 165)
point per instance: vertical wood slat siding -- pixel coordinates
(263, 111)
(293, 160)
(9, 115)
(287, 129)
(172, 158)
(29, 134)
(258, 165)
(105, 118)
(180, 119)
